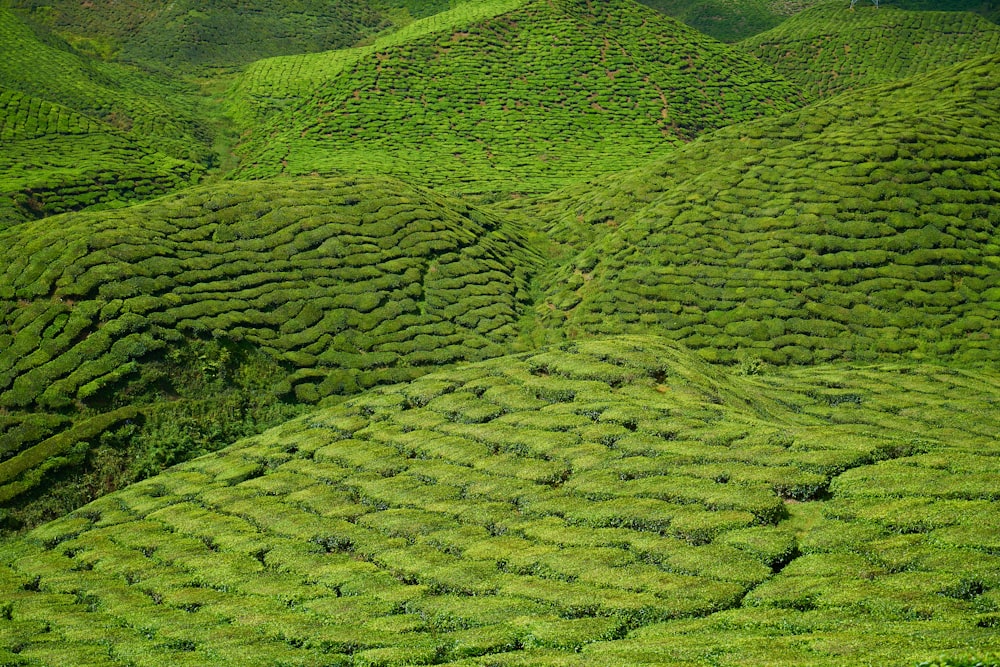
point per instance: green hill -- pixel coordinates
(77, 133)
(188, 34)
(539, 94)
(828, 49)
(734, 20)
(55, 160)
(191, 36)
(285, 290)
(863, 226)
(729, 20)
(607, 502)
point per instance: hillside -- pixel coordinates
(860, 227)
(77, 133)
(734, 20)
(612, 501)
(189, 35)
(537, 95)
(286, 290)
(828, 49)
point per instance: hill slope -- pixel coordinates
(56, 160)
(188, 35)
(828, 48)
(863, 226)
(609, 502)
(290, 289)
(77, 132)
(540, 94)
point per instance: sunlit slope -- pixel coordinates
(734, 20)
(860, 227)
(54, 159)
(75, 133)
(608, 502)
(343, 284)
(829, 48)
(535, 96)
(150, 107)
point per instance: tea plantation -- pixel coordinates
(341, 284)
(77, 133)
(540, 94)
(857, 228)
(829, 48)
(607, 502)
(492, 333)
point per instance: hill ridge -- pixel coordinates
(544, 124)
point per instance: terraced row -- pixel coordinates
(346, 284)
(270, 84)
(607, 502)
(150, 106)
(520, 102)
(863, 230)
(78, 133)
(56, 160)
(828, 49)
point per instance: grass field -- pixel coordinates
(538, 95)
(613, 501)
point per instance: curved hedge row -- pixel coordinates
(79, 133)
(613, 501)
(856, 229)
(345, 283)
(829, 48)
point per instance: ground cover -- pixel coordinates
(828, 48)
(540, 94)
(615, 501)
(287, 290)
(188, 35)
(80, 133)
(863, 226)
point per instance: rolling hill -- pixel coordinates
(862, 226)
(78, 133)
(189, 35)
(828, 48)
(537, 95)
(613, 501)
(286, 290)
(545, 333)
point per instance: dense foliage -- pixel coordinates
(76, 133)
(857, 228)
(344, 284)
(829, 48)
(612, 501)
(541, 93)
(254, 313)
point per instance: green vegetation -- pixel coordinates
(184, 34)
(343, 284)
(829, 48)
(506, 333)
(729, 20)
(614, 501)
(733, 20)
(540, 94)
(77, 133)
(857, 228)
